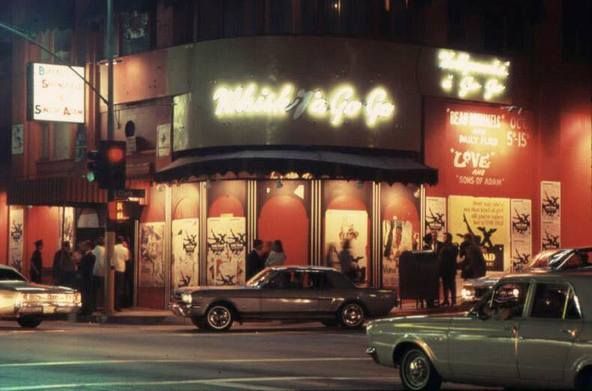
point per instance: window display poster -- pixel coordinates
(227, 250)
(352, 225)
(521, 240)
(152, 255)
(488, 220)
(397, 237)
(163, 132)
(435, 216)
(185, 252)
(66, 221)
(16, 230)
(550, 215)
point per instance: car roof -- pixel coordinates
(2, 266)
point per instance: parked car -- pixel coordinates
(284, 293)
(531, 330)
(28, 303)
(556, 259)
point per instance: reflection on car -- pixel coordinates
(530, 330)
(548, 260)
(28, 303)
(284, 293)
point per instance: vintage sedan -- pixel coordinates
(547, 260)
(28, 303)
(302, 293)
(532, 330)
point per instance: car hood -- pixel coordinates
(415, 321)
(28, 287)
(483, 282)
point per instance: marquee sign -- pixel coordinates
(56, 93)
(336, 106)
(470, 78)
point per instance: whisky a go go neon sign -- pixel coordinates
(336, 106)
(469, 78)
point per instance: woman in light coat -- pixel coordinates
(276, 256)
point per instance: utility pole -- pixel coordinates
(110, 233)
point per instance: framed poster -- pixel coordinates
(66, 221)
(397, 237)
(352, 225)
(18, 139)
(488, 220)
(15, 239)
(521, 236)
(152, 255)
(185, 252)
(550, 215)
(227, 250)
(435, 216)
(163, 132)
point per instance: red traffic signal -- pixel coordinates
(107, 165)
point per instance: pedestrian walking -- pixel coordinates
(346, 260)
(472, 263)
(63, 269)
(255, 261)
(87, 291)
(120, 257)
(36, 263)
(447, 262)
(276, 256)
(99, 268)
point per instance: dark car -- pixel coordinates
(304, 293)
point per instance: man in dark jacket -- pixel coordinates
(87, 291)
(64, 271)
(473, 264)
(447, 260)
(36, 263)
(255, 260)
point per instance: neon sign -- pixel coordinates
(470, 77)
(337, 106)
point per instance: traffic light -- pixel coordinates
(107, 165)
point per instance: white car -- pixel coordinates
(532, 330)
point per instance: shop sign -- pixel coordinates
(335, 106)
(56, 93)
(485, 145)
(470, 78)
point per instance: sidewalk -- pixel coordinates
(148, 316)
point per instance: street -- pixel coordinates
(266, 356)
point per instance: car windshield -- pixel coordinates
(548, 258)
(260, 278)
(10, 275)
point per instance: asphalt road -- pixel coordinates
(267, 357)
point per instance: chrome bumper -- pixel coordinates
(46, 309)
(371, 351)
(185, 310)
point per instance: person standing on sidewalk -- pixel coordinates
(87, 264)
(447, 263)
(36, 263)
(255, 261)
(277, 256)
(120, 256)
(99, 268)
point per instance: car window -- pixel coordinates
(507, 301)
(10, 275)
(573, 311)
(286, 279)
(339, 280)
(319, 280)
(551, 301)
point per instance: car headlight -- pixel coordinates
(186, 298)
(467, 294)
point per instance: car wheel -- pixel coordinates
(29, 322)
(199, 322)
(584, 380)
(219, 317)
(351, 315)
(417, 372)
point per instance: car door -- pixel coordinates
(548, 333)
(482, 345)
(285, 295)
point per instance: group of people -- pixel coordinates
(468, 257)
(83, 268)
(264, 254)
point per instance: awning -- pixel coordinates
(310, 162)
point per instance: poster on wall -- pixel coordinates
(152, 255)
(18, 139)
(227, 249)
(352, 225)
(435, 216)
(521, 239)
(488, 220)
(550, 215)
(397, 237)
(16, 240)
(181, 113)
(185, 252)
(163, 132)
(66, 221)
